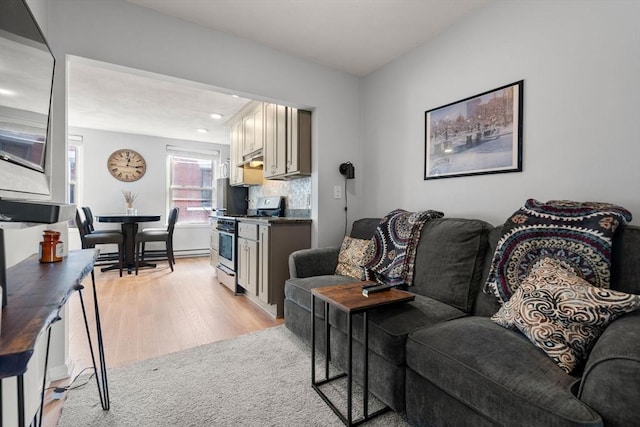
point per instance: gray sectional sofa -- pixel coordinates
(444, 362)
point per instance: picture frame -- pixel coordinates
(478, 135)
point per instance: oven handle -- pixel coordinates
(226, 269)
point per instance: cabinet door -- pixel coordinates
(292, 140)
(213, 257)
(252, 267)
(241, 271)
(298, 142)
(263, 267)
(248, 129)
(252, 130)
(215, 239)
(275, 140)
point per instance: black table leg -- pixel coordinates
(101, 374)
(20, 401)
(365, 396)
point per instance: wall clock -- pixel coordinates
(126, 165)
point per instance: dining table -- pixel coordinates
(129, 229)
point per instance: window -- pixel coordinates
(74, 171)
(72, 187)
(191, 183)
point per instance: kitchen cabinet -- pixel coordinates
(240, 173)
(277, 240)
(248, 257)
(215, 238)
(287, 142)
(252, 131)
(275, 140)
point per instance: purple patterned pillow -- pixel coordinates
(578, 234)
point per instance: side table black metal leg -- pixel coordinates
(365, 396)
(349, 368)
(327, 340)
(20, 401)
(313, 340)
(44, 375)
(101, 374)
(103, 362)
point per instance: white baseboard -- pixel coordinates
(61, 371)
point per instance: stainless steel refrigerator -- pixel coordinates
(231, 200)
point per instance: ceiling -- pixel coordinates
(354, 36)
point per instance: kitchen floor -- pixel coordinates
(156, 313)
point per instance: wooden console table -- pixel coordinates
(36, 294)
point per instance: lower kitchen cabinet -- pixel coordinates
(215, 237)
(248, 257)
(275, 241)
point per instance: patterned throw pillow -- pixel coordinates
(579, 234)
(351, 257)
(561, 313)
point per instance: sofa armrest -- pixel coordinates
(611, 379)
(313, 262)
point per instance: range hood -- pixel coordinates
(253, 160)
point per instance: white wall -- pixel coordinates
(103, 193)
(125, 34)
(580, 63)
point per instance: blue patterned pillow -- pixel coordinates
(577, 234)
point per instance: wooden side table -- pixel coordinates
(37, 292)
(349, 298)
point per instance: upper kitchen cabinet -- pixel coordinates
(287, 142)
(252, 132)
(244, 123)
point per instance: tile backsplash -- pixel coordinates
(296, 191)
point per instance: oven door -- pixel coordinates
(227, 250)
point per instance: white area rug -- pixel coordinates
(259, 379)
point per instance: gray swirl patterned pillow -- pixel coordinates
(561, 313)
(351, 257)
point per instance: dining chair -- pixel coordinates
(157, 235)
(89, 217)
(90, 240)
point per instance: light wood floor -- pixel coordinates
(155, 313)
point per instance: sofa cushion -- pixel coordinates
(364, 228)
(389, 326)
(449, 261)
(578, 233)
(497, 373)
(298, 290)
(561, 313)
(351, 257)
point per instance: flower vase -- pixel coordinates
(130, 209)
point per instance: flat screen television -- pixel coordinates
(26, 82)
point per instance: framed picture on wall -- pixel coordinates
(477, 135)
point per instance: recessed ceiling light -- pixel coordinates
(235, 96)
(217, 116)
(6, 92)
(202, 130)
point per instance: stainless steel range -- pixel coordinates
(227, 227)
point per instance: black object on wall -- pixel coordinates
(348, 170)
